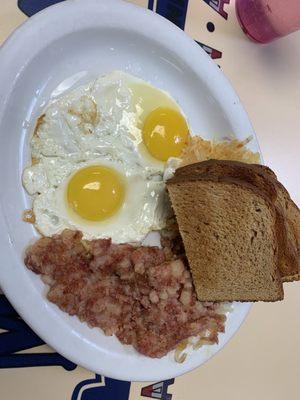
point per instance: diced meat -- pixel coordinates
(146, 257)
(140, 295)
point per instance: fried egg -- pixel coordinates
(163, 130)
(100, 198)
(100, 153)
(115, 115)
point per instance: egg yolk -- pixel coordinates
(96, 193)
(165, 133)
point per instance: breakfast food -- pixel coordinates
(143, 295)
(112, 115)
(228, 258)
(199, 149)
(240, 239)
(100, 197)
(102, 158)
(264, 179)
(98, 159)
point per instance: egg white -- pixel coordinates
(99, 123)
(145, 207)
(104, 117)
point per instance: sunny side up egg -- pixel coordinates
(163, 128)
(100, 198)
(99, 154)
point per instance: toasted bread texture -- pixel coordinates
(292, 238)
(230, 233)
(264, 179)
(206, 166)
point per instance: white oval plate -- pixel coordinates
(82, 39)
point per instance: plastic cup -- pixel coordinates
(267, 20)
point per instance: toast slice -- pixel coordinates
(264, 179)
(229, 231)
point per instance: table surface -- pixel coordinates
(262, 360)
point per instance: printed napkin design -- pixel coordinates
(16, 336)
(101, 388)
(31, 7)
(158, 390)
(219, 6)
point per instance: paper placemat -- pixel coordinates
(262, 360)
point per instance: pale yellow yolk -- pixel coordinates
(165, 133)
(96, 192)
